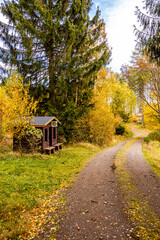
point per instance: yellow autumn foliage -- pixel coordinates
(101, 119)
(15, 105)
(4, 107)
(151, 119)
(101, 122)
(113, 103)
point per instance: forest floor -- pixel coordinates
(116, 196)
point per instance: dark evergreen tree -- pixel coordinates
(52, 43)
(149, 35)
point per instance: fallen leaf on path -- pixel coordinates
(78, 228)
(93, 201)
(94, 219)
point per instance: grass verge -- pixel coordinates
(30, 186)
(147, 226)
(152, 154)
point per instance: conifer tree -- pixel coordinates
(55, 46)
(149, 35)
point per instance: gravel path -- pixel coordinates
(95, 209)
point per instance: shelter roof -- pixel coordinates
(43, 121)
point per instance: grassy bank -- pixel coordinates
(145, 221)
(28, 184)
(152, 155)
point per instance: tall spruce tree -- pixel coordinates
(149, 35)
(57, 47)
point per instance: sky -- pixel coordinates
(119, 18)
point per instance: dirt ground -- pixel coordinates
(95, 209)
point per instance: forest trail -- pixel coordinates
(95, 209)
(95, 203)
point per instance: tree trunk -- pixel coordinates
(141, 101)
(52, 78)
(76, 95)
(141, 110)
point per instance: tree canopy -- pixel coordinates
(55, 46)
(143, 78)
(149, 36)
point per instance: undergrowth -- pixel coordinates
(152, 154)
(153, 136)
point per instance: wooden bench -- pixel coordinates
(49, 150)
(58, 146)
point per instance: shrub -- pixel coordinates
(34, 138)
(96, 127)
(120, 130)
(123, 130)
(125, 116)
(153, 136)
(101, 123)
(29, 141)
(133, 119)
(147, 139)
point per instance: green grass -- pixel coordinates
(152, 155)
(28, 182)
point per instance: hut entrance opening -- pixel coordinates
(50, 136)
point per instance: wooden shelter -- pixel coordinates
(48, 125)
(49, 129)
